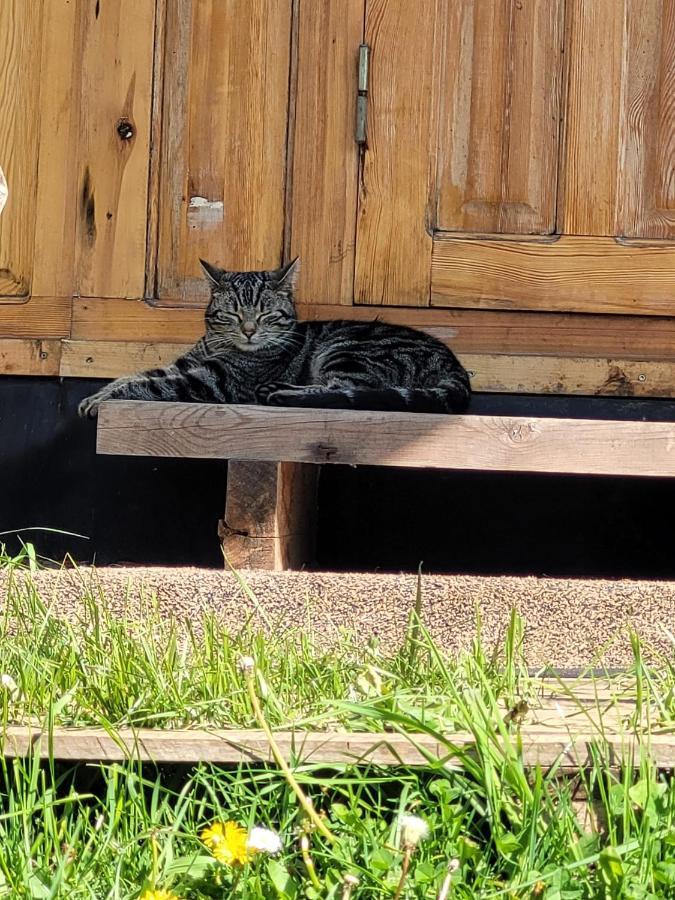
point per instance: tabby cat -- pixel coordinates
(255, 351)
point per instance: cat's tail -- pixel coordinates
(449, 396)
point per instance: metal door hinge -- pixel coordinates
(362, 96)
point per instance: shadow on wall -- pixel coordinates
(133, 510)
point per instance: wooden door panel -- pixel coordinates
(325, 156)
(20, 44)
(500, 117)
(619, 166)
(593, 49)
(620, 148)
(114, 147)
(223, 156)
(646, 169)
(396, 207)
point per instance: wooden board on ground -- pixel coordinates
(568, 750)
(496, 443)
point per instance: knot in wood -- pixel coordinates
(518, 432)
(125, 129)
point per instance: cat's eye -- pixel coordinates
(271, 318)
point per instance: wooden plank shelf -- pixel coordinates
(571, 749)
(319, 436)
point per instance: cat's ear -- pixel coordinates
(215, 275)
(286, 278)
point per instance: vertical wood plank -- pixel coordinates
(270, 515)
(595, 55)
(20, 42)
(117, 64)
(396, 207)
(646, 172)
(500, 118)
(56, 205)
(325, 158)
(223, 163)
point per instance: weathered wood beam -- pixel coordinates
(544, 747)
(495, 443)
(270, 515)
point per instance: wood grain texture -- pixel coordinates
(570, 274)
(39, 317)
(513, 374)
(117, 66)
(325, 160)
(467, 330)
(57, 174)
(20, 42)
(492, 443)
(646, 165)
(500, 117)
(270, 515)
(24, 357)
(570, 747)
(594, 56)
(110, 359)
(130, 320)
(222, 178)
(396, 208)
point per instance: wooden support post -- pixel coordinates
(270, 515)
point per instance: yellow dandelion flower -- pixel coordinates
(159, 895)
(228, 842)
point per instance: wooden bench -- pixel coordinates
(275, 455)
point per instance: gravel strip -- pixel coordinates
(567, 621)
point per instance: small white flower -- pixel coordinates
(8, 683)
(264, 840)
(349, 882)
(413, 830)
(246, 663)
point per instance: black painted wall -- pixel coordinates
(160, 511)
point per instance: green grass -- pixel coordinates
(499, 829)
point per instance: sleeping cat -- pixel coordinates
(255, 351)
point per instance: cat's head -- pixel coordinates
(251, 310)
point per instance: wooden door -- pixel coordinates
(521, 156)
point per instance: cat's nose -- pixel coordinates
(248, 328)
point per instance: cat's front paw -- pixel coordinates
(264, 392)
(88, 408)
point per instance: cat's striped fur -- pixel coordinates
(255, 351)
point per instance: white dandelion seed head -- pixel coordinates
(350, 880)
(413, 830)
(246, 663)
(264, 840)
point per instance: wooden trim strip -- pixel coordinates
(37, 317)
(29, 357)
(469, 330)
(567, 274)
(493, 443)
(110, 359)
(539, 747)
(492, 373)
